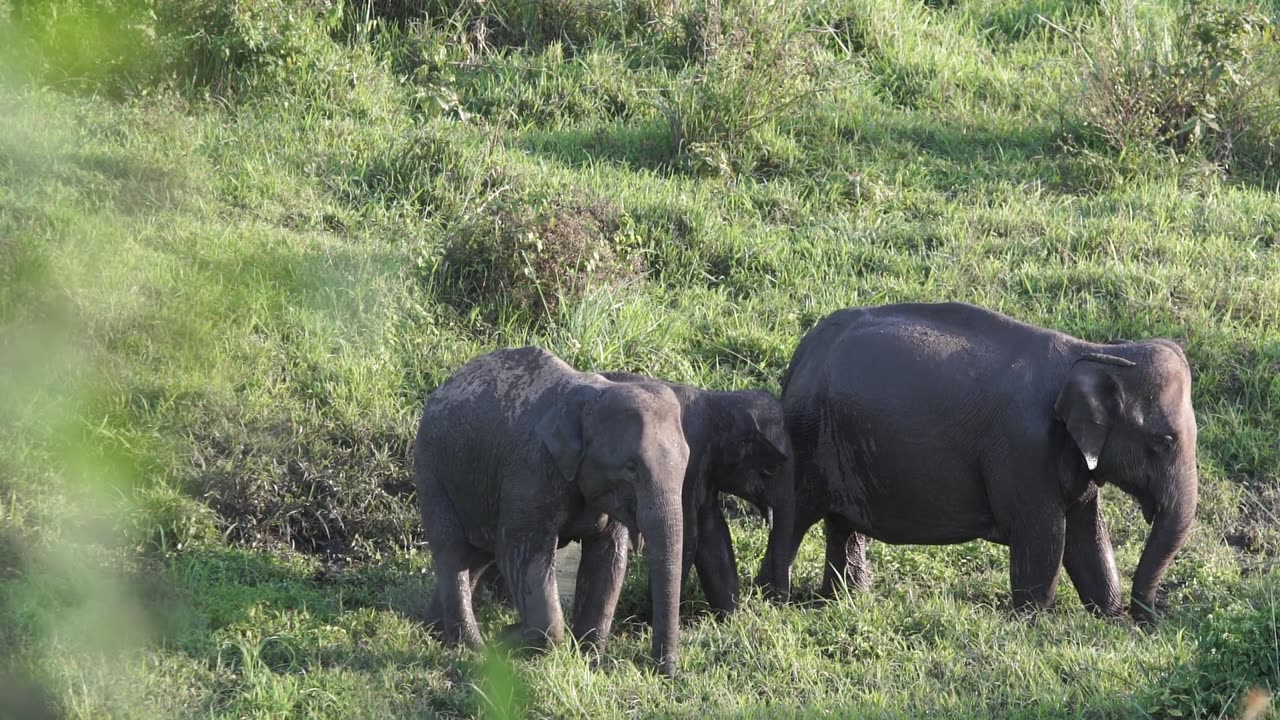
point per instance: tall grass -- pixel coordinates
(241, 242)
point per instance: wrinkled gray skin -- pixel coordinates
(937, 424)
(738, 445)
(518, 454)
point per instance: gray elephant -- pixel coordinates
(937, 424)
(518, 454)
(738, 445)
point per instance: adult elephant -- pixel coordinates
(517, 454)
(738, 445)
(937, 424)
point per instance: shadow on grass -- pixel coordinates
(951, 156)
(639, 146)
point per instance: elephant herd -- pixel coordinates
(912, 423)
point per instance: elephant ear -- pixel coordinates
(771, 437)
(560, 430)
(1087, 403)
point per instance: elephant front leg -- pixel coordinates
(434, 614)
(528, 566)
(600, 574)
(1035, 560)
(774, 578)
(451, 611)
(1089, 560)
(846, 557)
(717, 568)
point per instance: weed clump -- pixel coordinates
(758, 62)
(1207, 84)
(535, 253)
(1238, 650)
(512, 24)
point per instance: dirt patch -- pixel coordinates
(273, 485)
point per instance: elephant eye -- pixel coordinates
(1165, 441)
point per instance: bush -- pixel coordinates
(164, 520)
(1238, 650)
(226, 44)
(1206, 84)
(533, 253)
(105, 45)
(522, 24)
(758, 63)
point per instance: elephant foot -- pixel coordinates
(770, 590)
(1143, 615)
(519, 637)
(459, 636)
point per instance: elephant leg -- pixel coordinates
(488, 581)
(450, 609)
(600, 574)
(1089, 561)
(1035, 559)
(789, 546)
(435, 609)
(528, 566)
(454, 617)
(846, 557)
(717, 568)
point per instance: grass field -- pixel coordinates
(240, 242)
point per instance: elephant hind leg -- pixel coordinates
(846, 557)
(451, 607)
(599, 583)
(449, 611)
(1089, 560)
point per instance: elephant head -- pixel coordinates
(1129, 415)
(623, 446)
(756, 462)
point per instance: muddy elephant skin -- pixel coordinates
(517, 454)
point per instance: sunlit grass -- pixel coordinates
(221, 307)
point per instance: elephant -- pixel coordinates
(737, 444)
(517, 454)
(945, 423)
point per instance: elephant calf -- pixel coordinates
(945, 423)
(517, 454)
(737, 444)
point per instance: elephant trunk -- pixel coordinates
(775, 570)
(661, 524)
(1173, 517)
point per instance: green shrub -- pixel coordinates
(226, 44)
(533, 253)
(758, 63)
(501, 24)
(1206, 83)
(1239, 649)
(104, 45)
(164, 520)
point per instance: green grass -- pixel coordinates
(233, 266)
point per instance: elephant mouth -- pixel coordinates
(1148, 506)
(766, 512)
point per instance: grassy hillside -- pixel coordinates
(240, 242)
